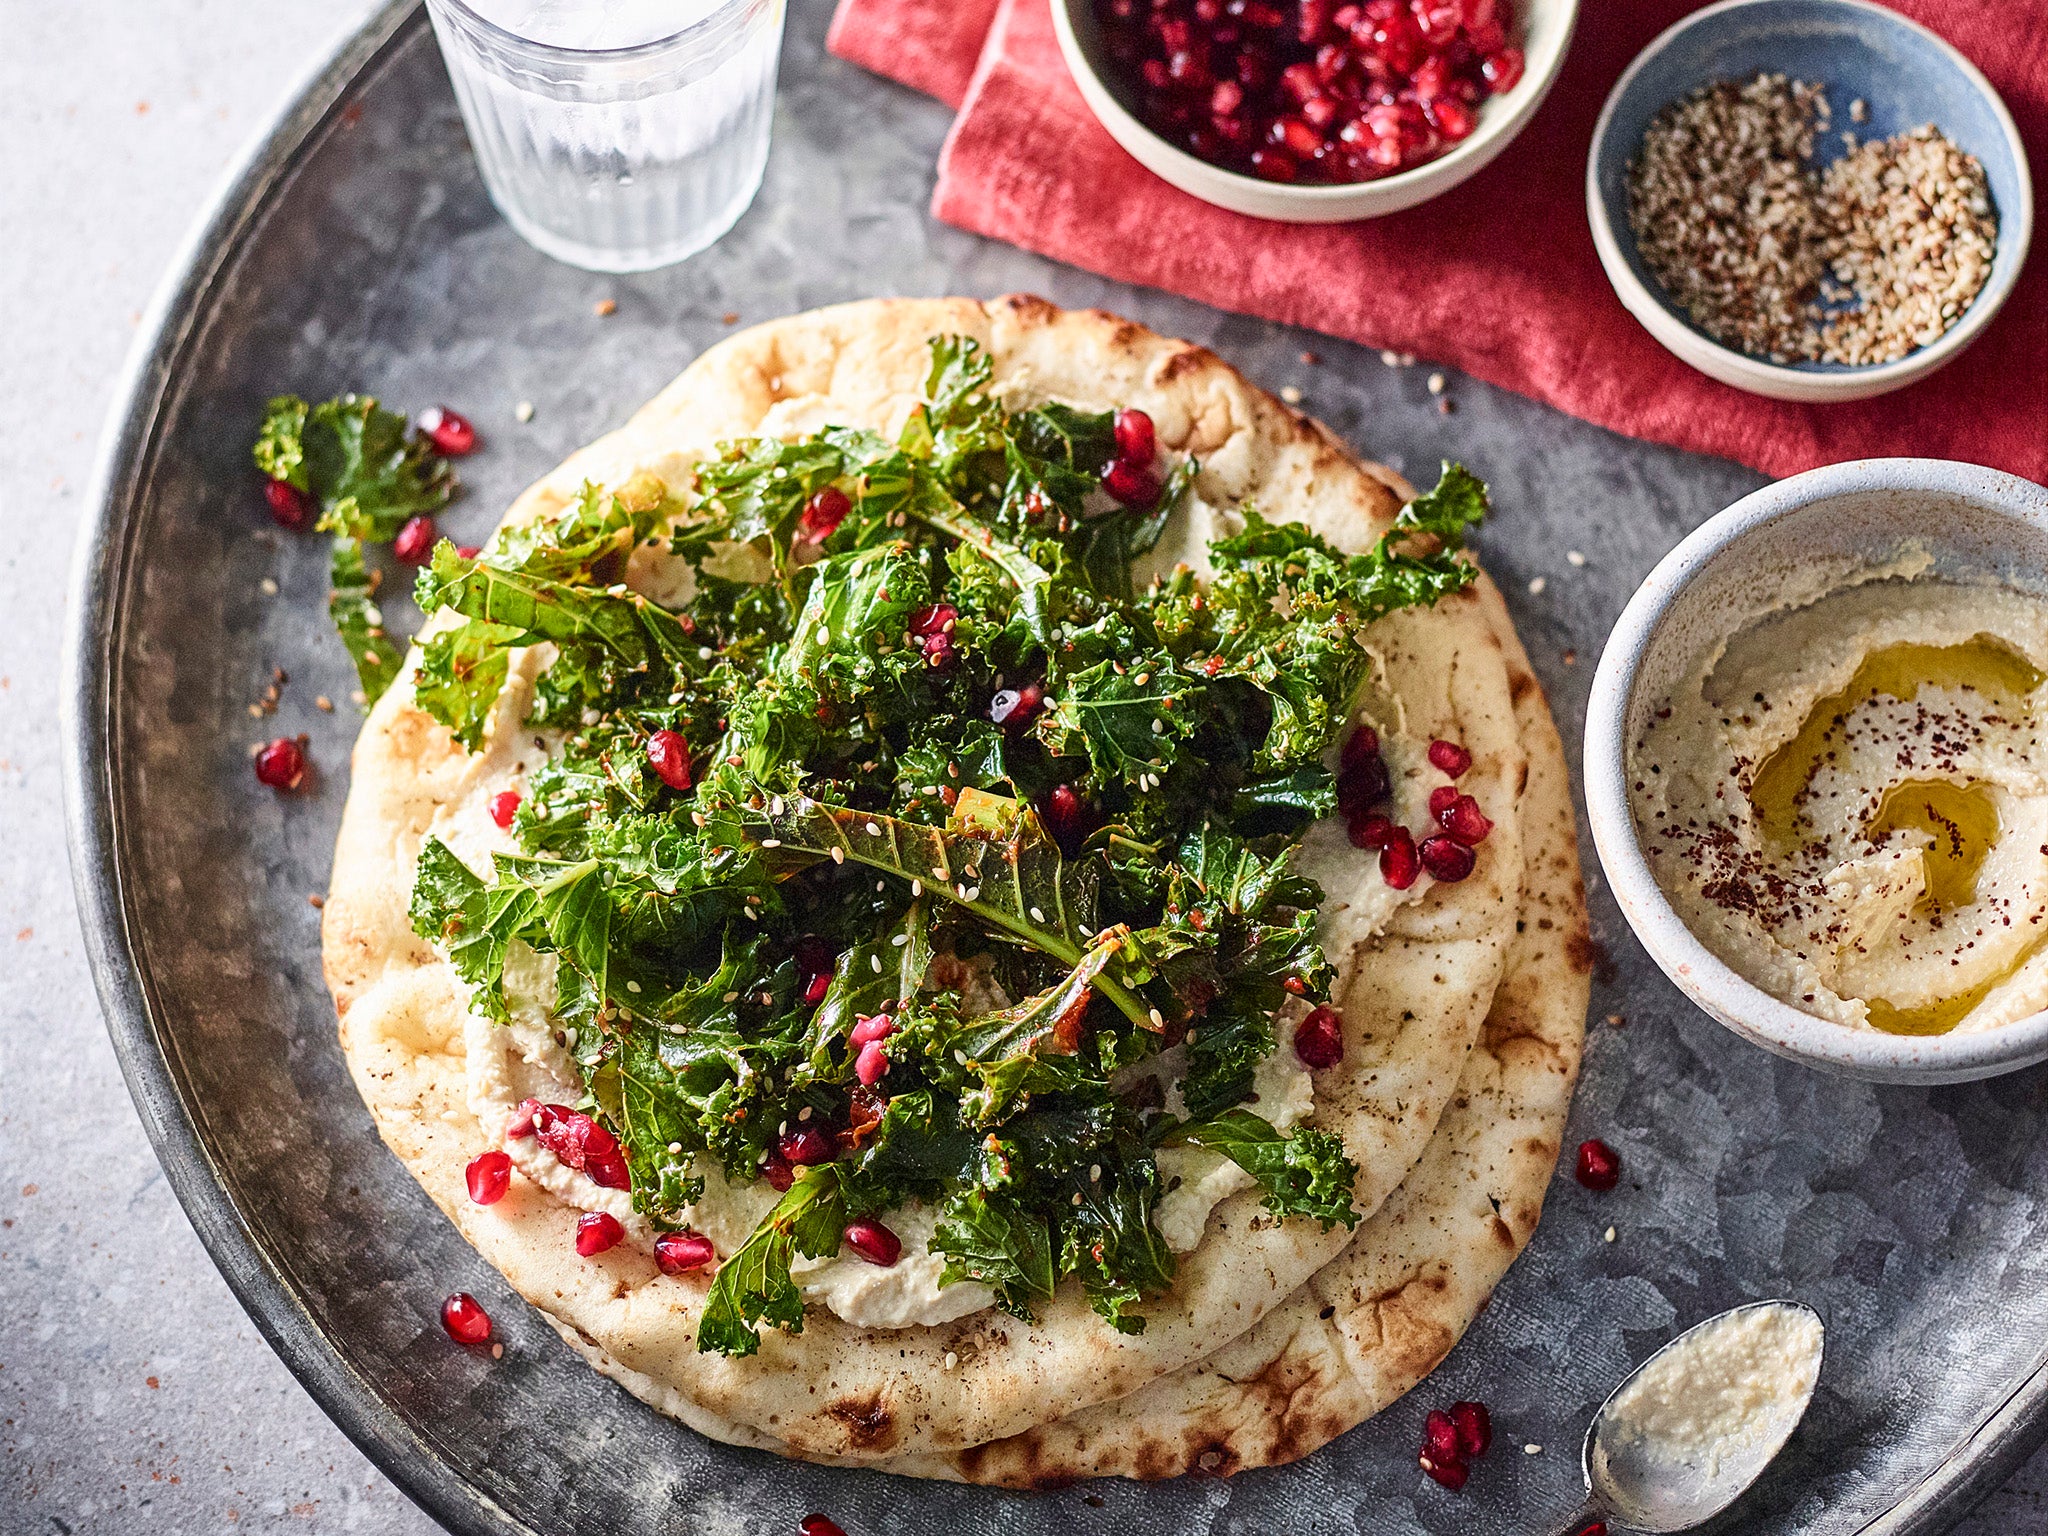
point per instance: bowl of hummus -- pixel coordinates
(1817, 769)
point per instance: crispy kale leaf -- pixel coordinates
(1304, 1173)
(355, 459)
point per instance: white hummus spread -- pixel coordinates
(1848, 803)
(1733, 1387)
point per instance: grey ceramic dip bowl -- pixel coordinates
(1980, 526)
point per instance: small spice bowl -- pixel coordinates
(1543, 32)
(1905, 75)
(1979, 526)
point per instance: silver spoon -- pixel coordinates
(1635, 1482)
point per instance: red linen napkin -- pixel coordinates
(1497, 277)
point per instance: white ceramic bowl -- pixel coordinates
(1979, 525)
(1906, 74)
(1545, 32)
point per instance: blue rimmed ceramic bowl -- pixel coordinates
(1904, 73)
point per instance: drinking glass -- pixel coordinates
(616, 135)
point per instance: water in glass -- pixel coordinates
(617, 135)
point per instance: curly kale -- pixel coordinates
(952, 778)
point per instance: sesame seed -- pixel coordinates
(1532, 1449)
(952, 1360)
(771, 842)
(632, 986)
(1158, 1019)
(873, 830)
(1608, 1235)
(875, 964)
(523, 410)
(917, 887)
(1290, 394)
(1436, 383)
(674, 1148)
(1037, 916)
(1536, 586)
(838, 855)
(1574, 557)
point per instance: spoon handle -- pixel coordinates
(1589, 1519)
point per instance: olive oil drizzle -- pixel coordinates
(1962, 819)
(1778, 790)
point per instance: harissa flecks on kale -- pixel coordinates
(935, 753)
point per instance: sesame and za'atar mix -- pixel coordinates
(913, 858)
(1861, 262)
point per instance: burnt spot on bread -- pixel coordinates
(1521, 683)
(866, 1421)
(1183, 362)
(1588, 956)
(1028, 308)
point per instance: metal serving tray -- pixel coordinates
(356, 249)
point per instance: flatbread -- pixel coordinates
(1379, 1318)
(1414, 999)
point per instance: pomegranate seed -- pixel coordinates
(1446, 858)
(940, 652)
(1361, 786)
(1225, 99)
(1275, 165)
(1597, 1528)
(465, 1319)
(1449, 758)
(1300, 81)
(1441, 799)
(1451, 1473)
(934, 618)
(873, 1242)
(597, 1231)
(1014, 707)
(680, 1252)
(1320, 111)
(823, 514)
(669, 756)
(871, 1064)
(1475, 1427)
(802, 1145)
(504, 806)
(415, 542)
(1360, 745)
(488, 1177)
(1440, 1436)
(820, 1525)
(776, 1170)
(1599, 1165)
(469, 551)
(1067, 817)
(1462, 819)
(1131, 483)
(1319, 1038)
(1503, 70)
(871, 1026)
(290, 507)
(522, 1125)
(816, 988)
(1399, 863)
(1135, 439)
(1373, 831)
(582, 1144)
(1454, 118)
(446, 430)
(282, 764)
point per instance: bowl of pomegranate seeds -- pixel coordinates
(1311, 111)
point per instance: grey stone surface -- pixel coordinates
(134, 1397)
